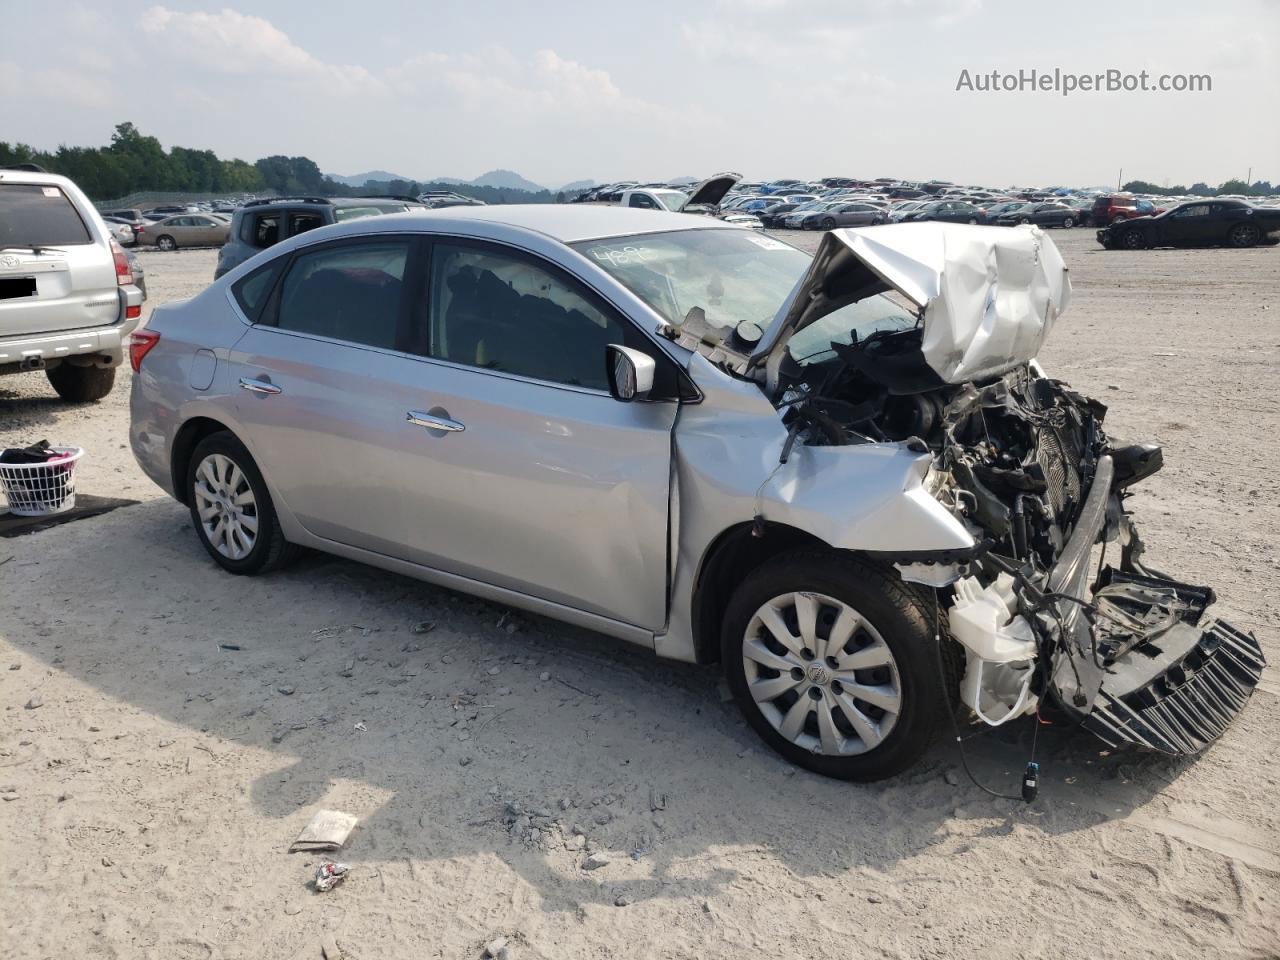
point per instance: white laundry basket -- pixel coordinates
(41, 489)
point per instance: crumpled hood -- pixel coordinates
(989, 295)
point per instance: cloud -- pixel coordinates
(236, 43)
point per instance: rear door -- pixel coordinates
(70, 283)
(324, 386)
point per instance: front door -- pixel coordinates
(532, 477)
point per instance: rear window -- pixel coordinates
(251, 291)
(32, 214)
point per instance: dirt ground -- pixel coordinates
(168, 729)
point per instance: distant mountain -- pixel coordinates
(358, 179)
(506, 178)
(503, 179)
(578, 185)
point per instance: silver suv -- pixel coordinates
(844, 477)
(67, 292)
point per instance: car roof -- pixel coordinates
(568, 223)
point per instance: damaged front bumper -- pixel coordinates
(1133, 658)
(1144, 669)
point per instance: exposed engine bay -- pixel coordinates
(1023, 462)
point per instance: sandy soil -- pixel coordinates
(150, 798)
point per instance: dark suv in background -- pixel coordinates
(263, 223)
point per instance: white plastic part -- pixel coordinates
(1000, 650)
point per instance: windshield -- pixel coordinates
(34, 215)
(882, 312)
(732, 275)
(673, 200)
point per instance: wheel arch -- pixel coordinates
(184, 442)
(727, 560)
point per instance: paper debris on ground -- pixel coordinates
(328, 830)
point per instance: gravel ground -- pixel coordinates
(168, 729)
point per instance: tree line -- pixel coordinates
(136, 163)
(1260, 188)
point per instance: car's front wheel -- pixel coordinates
(833, 662)
(232, 509)
(1134, 240)
(1068, 223)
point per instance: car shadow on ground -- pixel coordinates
(490, 708)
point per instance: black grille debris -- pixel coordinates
(1189, 705)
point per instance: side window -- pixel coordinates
(1198, 210)
(348, 291)
(301, 222)
(262, 229)
(640, 200)
(503, 312)
(251, 291)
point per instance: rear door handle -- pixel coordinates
(259, 386)
(434, 422)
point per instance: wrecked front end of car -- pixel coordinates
(1054, 601)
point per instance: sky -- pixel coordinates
(667, 88)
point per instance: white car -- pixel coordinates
(67, 292)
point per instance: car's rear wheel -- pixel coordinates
(833, 662)
(1134, 240)
(166, 242)
(81, 384)
(1243, 235)
(232, 509)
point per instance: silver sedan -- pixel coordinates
(819, 472)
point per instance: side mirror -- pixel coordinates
(630, 372)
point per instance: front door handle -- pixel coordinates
(433, 421)
(259, 386)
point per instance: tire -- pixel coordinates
(1134, 240)
(166, 242)
(219, 476)
(973, 220)
(1024, 222)
(1243, 235)
(828, 224)
(1068, 223)
(81, 384)
(895, 643)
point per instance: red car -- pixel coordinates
(1119, 206)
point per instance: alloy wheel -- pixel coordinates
(821, 674)
(1243, 235)
(1134, 240)
(227, 507)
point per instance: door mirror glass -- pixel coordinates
(630, 373)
